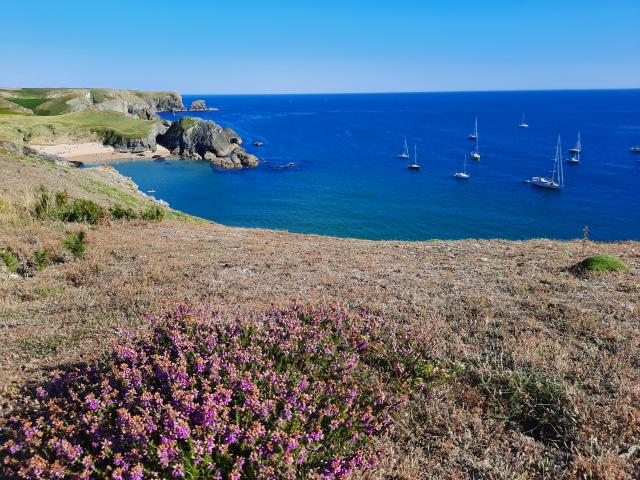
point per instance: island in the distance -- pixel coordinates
(102, 124)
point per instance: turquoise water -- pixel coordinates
(347, 180)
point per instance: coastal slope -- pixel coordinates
(547, 384)
(112, 124)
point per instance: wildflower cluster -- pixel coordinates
(295, 394)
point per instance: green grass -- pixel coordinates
(186, 123)
(86, 124)
(30, 103)
(9, 259)
(600, 263)
(99, 95)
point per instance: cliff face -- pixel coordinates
(56, 101)
(205, 140)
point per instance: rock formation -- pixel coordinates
(200, 139)
(198, 105)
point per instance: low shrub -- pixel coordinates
(599, 263)
(533, 403)
(76, 243)
(9, 259)
(296, 394)
(118, 212)
(58, 206)
(153, 213)
(86, 211)
(41, 258)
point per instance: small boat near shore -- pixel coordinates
(556, 181)
(258, 144)
(635, 149)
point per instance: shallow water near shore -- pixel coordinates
(346, 180)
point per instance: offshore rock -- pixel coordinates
(196, 138)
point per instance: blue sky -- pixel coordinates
(261, 46)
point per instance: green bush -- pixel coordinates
(57, 206)
(76, 243)
(600, 263)
(118, 212)
(85, 211)
(9, 259)
(41, 258)
(153, 213)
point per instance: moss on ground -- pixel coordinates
(599, 263)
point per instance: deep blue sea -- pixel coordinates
(347, 180)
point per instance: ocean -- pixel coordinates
(347, 181)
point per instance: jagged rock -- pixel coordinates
(198, 105)
(197, 138)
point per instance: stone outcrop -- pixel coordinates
(135, 145)
(198, 105)
(200, 139)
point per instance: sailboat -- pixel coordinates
(463, 175)
(405, 153)
(578, 147)
(556, 182)
(474, 135)
(575, 158)
(523, 124)
(414, 165)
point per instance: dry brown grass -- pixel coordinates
(501, 308)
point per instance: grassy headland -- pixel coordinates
(531, 370)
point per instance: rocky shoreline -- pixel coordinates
(188, 137)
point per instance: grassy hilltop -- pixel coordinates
(43, 116)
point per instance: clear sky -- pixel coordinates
(289, 46)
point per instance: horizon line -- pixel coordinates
(413, 92)
(378, 92)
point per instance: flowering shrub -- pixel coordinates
(296, 394)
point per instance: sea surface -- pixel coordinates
(347, 181)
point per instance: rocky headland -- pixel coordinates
(125, 120)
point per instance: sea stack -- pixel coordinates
(200, 139)
(198, 106)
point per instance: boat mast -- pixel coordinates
(579, 144)
(477, 138)
(415, 154)
(557, 165)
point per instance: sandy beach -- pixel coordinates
(96, 152)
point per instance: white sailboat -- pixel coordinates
(578, 147)
(463, 175)
(405, 153)
(475, 155)
(523, 124)
(575, 158)
(414, 165)
(474, 135)
(556, 182)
